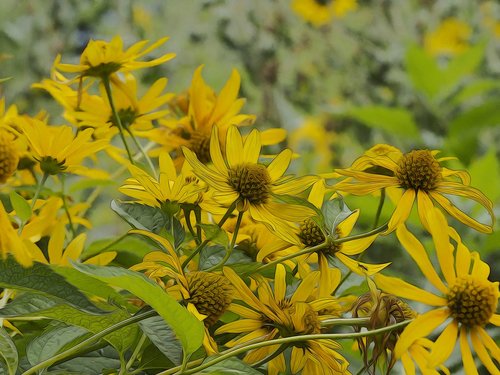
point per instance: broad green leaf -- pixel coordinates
(32, 306)
(88, 365)
(162, 336)
(215, 234)
(8, 352)
(23, 208)
(153, 358)
(423, 71)
(132, 248)
(52, 341)
(175, 232)
(90, 285)
(140, 216)
(186, 326)
(476, 88)
(396, 121)
(335, 211)
(41, 278)
(463, 65)
(231, 366)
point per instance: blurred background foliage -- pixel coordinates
(414, 74)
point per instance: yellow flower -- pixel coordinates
(255, 187)
(101, 59)
(275, 314)
(134, 113)
(9, 156)
(450, 38)
(321, 12)
(11, 243)
(59, 151)
(419, 353)
(166, 192)
(421, 177)
(465, 301)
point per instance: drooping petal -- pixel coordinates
(482, 353)
(444, 345)
(468, 361)
(279, 165)
(402, 210)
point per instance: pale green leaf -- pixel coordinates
(162, 336)
(215, 234)
(8, 352)
(485, 174)
(22, 207)
(231, 366)
(423, 71)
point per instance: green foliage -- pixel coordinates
(8, 352)
(140, 216)
(23, 209)
(162, 336)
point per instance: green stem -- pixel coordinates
(379, 208)
(66, 209)
(286, 341)
(231, 246)
(91, 340)
(345, 322)
(113, 243)
(144, 154)
(135, 353)
(35, 198)
(187, 216)
(197, 215)
(107, 87)
(307, 250)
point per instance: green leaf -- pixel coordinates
(51, 342)
(162, 336)
(396, 121)
(90, 285)
(41, 278)
(231, 366)
(335, 211)
(88, 365)
(215, 234)
(8, 352)
(132, 248)
(212, 255)
(32, 306)
(463, 65)
(476, 88)
(140, 216)
(91, 183)
(485, 175)
(23, 208)
(423, 71)
(186, 326)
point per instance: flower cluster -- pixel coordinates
(229, 237)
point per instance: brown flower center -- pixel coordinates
(9, 157)
(210, 293)
(252, 182)
(311, 235)
(418, 170)
(199, 143)
(471, 301)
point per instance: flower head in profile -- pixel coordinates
(464, 300)
(449, 38)
(58, 150)
(273, 314)
(421, 178)
(168, 191)
(321, 12)
(101, 58)
(240, 179)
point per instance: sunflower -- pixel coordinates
(275, 314)
(166, 192)
(255, 187)
(102, 59)
(321, 12)
(57, 150)
(202, 109)
(421, 177)
(465, 301)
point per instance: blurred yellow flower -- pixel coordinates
(450, 38)
(321, 12)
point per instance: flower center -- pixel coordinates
(210, 293)
(471, 301)
(51, 165)
(127, 117)
(9, 158)
(199, 143)
(418, 169)
(101, 70)
(323, 2)
(311, 235)
(252, 182)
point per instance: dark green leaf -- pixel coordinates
(52, 341)
(162, 336)
(88, 365)
(23, 208)
(186, 326)
(41, 278)
(335, 211)
(212, 255)
(140, 216)
(8, 352)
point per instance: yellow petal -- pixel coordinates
(444, 345)
(468, 361)
(234, 147)
(280, 164)
(280, 283)
(482, 353)
(251, 148)
(403, 209)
